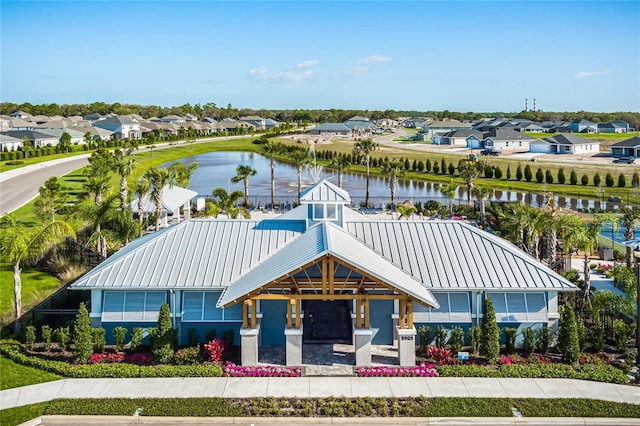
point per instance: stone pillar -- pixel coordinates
(249, 345)
(407, 346)
(362, 343)
(293, 348)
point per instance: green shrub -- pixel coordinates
(443, 166)
(46, 337)
(608, 180)
(192, 336)
(584, 180)
(474, 339)
(548, 177)
(582, 334)
(489, 333)
(498, 173)
(488, 172)
(421, 165)
(544, 340)
(14, 163)
(620, 335)
(527, 173)
(573, 178)
(456, 340)
(436, 167)
(597, 180)
(539, 175)
(508, 172)
(30, 336)
(63, 335)
(424, 331)
(428, 165)
(622, 181)
(452, 169)
(188, 356)
(119, 338)
(82, 336)
(99, 339)
(529, 344)
(441, 336)
(163, 336)
(635, 180)
(519, 173)
(568, 343)
(510, 339)
(596, 338)
(561, 177)
(136, 338)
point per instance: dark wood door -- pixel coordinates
(327, 322)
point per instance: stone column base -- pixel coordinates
(293, 348)
(249, 345)
(406, 346)
(362, 343)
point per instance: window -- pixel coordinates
(454, 307)
(200, 306)
(519, 307)
(567, 149)
(132, 306)
(325, 211)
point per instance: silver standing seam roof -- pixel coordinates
(172, 199)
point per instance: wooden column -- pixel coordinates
(245, 314)
(254, 316)
(409, 314)
(324, 276)
(298, 309)
(366, 313)
(331, 278)
(401, 308)
(358, 313)
(290, 303)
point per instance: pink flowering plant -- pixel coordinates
(139, 358)
(105, 358)
(232, 370)
(214, 350)
(421, 370)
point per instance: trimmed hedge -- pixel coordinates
(344, 407)
(13, 351)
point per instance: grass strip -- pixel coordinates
(15, 375)
(18, 415)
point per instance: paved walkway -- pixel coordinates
(317, 387)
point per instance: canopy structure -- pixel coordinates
(173, 197)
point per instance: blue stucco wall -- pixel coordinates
(274, 321)
(109, 326)
(203, 328)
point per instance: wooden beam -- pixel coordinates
(325, 282)
(319, 296)
(366, 313)
(331, 276)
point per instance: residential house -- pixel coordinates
(627, 148)
(431, 128)
(94, 117)
(500, 139)
(613, 127)
(190, 117)
(122, 127)
(173, 119)
(583, 126)
(38, 139)
(77, 136)
(5, 123)
(564, 144)
(174, 198)
(9, 143)
(321, 273)
(20, 124)
(257, 122)
(19, 114)
(331, 130)
(455, 137)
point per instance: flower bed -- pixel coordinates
(232, 370)
(422, 370)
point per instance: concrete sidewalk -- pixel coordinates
(317, 387)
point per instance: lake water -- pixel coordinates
(217, 168)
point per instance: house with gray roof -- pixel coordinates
(10, 143)
(122, 127)
(583, 126)
(500, 139)
(331, 130)
(38, 139)
(564, 144)
(455, 137)
(321, 273)
(433, 127)
(613, 127)
(77, 137)
(627, 148)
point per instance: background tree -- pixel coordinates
(483, 193)
(561, 177)
(519, 173)
(299, 159)
(123, 165)
(88, 139)
(20, 244)
(608, 180)
(53, 197)
(65, 141)
(548, 177)
(272, 149)
(341, 164)
(141, 189)
(26, 146)
(182, 173)
(573, 178)
(82, 338)
(489, 333)
(622, 181)
(98, 174)
(470, 171)
(158, 178)
(393, 168)
(539, 175)
(226, 203)
(596, 179)
(568, 343)
(629, 217)
(527, 173)
(584, 180)
(243, 173)
(363, 149)
(581, 236)
(449, 190)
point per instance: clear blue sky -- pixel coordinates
(420, 55)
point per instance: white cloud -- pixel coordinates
(583, 74)
(373, 58)
(307, 64)
(296, 74)
(260, 72)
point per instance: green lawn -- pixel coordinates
(17, 375)
(19, 415)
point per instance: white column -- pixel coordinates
(406, 346)
(293, 346)
(249, 345)
(362, 342)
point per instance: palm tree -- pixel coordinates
(341, 163)
(182, 173)
(483, 193)
(98, 174)
(449, 190)
(271, 149)
(519, 226)
(243, 173)
(226, 203)
(141, 189)
(365, 148)
(629, 217)
(299, 158)
(19, 243)
(158, 178)
(393, 168)
(470, 171)
(581, 236)
(123, 165)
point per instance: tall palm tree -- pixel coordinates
(158, 178)
(182, 173)
(449, 190)
(364, 148)
(123, 165)
(629, 217)
(98, 174)
(243, 173)
(19, 244)
(341, 163)
(226, 203)
(581, 236)
(299, 158)
(470, 171)
(483, 193)
(393, 168)
(271, 149)
(141, 189)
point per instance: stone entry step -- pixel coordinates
(327, 370)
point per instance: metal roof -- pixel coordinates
(569, 139)
(324, 191)
(319, 240)
(194, 254)
(172, 199)
(452, 255)
(633, 142)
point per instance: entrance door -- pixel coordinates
(327, 321)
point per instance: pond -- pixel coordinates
(217, 168)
